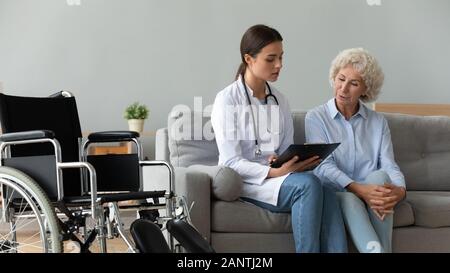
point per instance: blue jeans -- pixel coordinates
(368, 232)
(317, 222)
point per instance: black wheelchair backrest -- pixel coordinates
(58, 114)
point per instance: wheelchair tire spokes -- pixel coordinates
(28, 221)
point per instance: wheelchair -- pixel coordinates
(54, 191)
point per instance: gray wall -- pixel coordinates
(164, 52)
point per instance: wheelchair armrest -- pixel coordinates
(27, 135)
(112, 136)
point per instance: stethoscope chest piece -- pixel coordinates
(258, 151)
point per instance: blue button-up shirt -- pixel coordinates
(365, 144)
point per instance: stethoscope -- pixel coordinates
(258, 151)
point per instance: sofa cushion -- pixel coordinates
(431, 208)
(403, 215)
(226, 183)
(191, 138)
(240, 216)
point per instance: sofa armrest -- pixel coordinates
(196, 187)
(226, 183)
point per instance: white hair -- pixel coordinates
(366, 65)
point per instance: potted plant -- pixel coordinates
(136, 114)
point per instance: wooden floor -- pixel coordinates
(29, 239)
(116, 245)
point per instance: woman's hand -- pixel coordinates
(382, 199)
(387, 203)
(368, 192)
(294, 166)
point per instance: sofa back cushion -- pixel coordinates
(299, 126)
(422, 150)
(191, 139)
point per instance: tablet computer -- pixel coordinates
(305, 151)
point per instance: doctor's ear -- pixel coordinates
(248, 59)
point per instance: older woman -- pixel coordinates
(363, 166)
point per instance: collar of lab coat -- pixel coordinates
(250, 91)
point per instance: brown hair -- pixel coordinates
(254, 40)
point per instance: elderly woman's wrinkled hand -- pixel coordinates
(387, 199)
(381, 199)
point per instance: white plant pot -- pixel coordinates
(136, 125)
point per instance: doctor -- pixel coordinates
(252, 124)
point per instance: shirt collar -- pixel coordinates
(362, 110)
(332, 109)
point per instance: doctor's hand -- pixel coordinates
(294, 166)
(272, 158)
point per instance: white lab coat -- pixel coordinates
(235, 138)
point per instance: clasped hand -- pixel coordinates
(381, 199)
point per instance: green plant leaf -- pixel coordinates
(136, 111)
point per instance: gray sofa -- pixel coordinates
(421, 222)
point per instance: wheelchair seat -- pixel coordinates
(115, 197)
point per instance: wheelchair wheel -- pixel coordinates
(28, 220)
